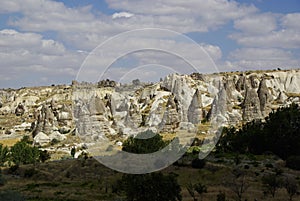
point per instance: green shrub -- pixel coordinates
(4, 154)
(11, 196)
(22, 153)
(198, 163)
(293, 162)
(30, 172)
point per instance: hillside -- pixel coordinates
(61, 117)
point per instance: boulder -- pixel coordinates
(41, 139)
(281, 98)
(56, 135)
(96, 106)
(62, 116)
(64, 130)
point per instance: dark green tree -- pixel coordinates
(143, 143)
(291, 186)
(73, 151)
(4, 154)
(22, 153)
(279, 133)
(151, 187)
(44, 155)
(199, 188)
(282, 131)
(272, 183)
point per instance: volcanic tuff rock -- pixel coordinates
(110, 110)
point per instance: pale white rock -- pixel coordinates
(56, 135)
(206, 101)
(22, 126)
(6, 110)
(186, 126)
(41, 139)
(78, 153)
(118, 143)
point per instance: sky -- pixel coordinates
(44, 42)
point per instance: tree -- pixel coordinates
(237, 183)
(142, 144)
(221, 196)
(73, 151)
(272, 183)
(44, 155)
(199, 188)
(291, 186)
(191, 190)
(4, 154)
(279, 133)
(22, 153)
(151, 187)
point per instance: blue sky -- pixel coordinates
(45, 41)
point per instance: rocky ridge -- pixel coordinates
(110, 110)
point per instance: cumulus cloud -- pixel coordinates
(79, 24)
(122, 15)
(265, 39)
(257, 24)
(29, 54)
(262, 31)
(262, 58)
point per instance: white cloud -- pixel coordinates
(257, 24)
(12, 40)
(195, 15)
(7, 6)
(122, 15)
(260, 35)
(260, 31)
(262, 58)
(291, 21)
(82, 29)
(260, 54)
(29, 54)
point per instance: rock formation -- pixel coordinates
(178, 102)
(195, 109)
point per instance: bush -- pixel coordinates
(293, 162)
(44, 155)
(150, 187)
(2, 180)
(142, 144)
(4, 154)
(29, 172)
(13, 169)
(221, 196)
(22, 153)
(198, 163)
(11, 196)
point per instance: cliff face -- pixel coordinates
(177, 102)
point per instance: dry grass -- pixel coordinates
(9, 142)
(89, 180)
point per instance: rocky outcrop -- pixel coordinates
(195, 109)
(41, 139)
(251, 105)
(264, 96)
(20, 110)
(170, 120)
(176, 103)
